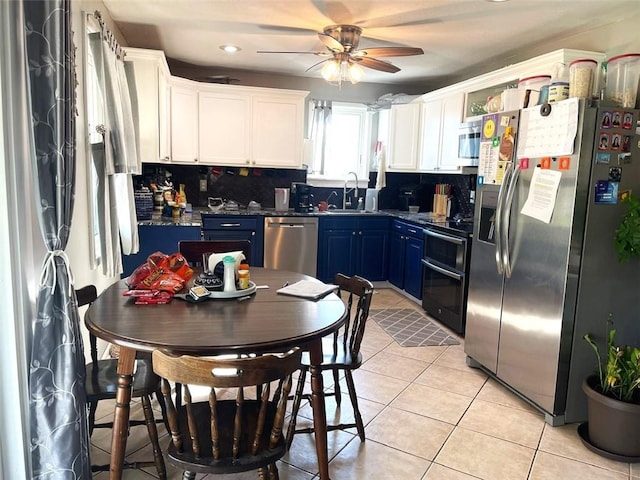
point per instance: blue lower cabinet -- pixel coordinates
(413, 266)
(237, 227)
(397, 244)
(158, 238)
(353, 245)
(405, 257)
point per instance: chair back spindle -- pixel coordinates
(233, 430)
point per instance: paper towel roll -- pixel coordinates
(216, 258)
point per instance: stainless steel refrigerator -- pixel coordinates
(544, 269)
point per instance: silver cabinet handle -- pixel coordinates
(229, 225)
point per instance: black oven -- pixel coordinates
(445, 284)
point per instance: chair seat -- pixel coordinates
(226, 409)
(102, 382)
(338, 358)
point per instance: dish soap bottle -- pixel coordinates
(229, 277)
(506, 145)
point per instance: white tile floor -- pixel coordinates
(428, 416)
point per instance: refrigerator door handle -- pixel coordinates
(506, 254)
(498, 217)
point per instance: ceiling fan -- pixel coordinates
(344, 60)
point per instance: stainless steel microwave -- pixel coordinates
(469, 142)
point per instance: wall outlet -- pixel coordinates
(203, 185)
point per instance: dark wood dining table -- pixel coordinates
(265, 322)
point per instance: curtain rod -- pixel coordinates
(107, 35)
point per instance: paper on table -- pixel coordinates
(307, 289)
(542, 195)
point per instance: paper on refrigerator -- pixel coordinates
(549, 130)
(541, 200)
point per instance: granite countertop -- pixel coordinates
(194, 219)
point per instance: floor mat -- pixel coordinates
(411, 328)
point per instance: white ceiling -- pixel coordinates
(456, 35)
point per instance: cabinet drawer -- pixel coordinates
(346, 222)
(407, 229)
(237, 222)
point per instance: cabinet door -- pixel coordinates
(184, 124)
(339, 254)
(164, 116)
(396, 259)
(373, 248)
(223, 126)
(452, 110)
(430, 125)
(413, 266)
(404, 124)
(157, 238)
(277, 130)
(147, 95)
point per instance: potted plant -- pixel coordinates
(613, 400)
(627, 238)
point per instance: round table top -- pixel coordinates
(267, 321)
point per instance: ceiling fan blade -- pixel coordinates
(330, 42)
(315, 65)
(376, 64)
(320, 54)
(388, 52)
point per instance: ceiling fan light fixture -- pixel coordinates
(230, 48)
(331, 70)
(355, 72)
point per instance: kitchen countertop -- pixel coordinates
(194, 219)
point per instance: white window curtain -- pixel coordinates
(117, 156)
(319, 133)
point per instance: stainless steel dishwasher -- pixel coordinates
(291, 243)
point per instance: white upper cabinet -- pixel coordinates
(430, 128)
(440, 120)
(184, 124)
(224, 125)
(277, 130)
(152, 92)
(230, 125)
(404, 125)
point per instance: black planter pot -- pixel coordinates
(613, 425)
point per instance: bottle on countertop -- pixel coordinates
(361, 203)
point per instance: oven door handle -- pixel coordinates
(443, 271)
(445, 237)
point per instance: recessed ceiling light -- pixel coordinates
(230, 48)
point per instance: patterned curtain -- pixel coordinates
(59, 428)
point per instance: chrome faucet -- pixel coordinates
(345, 191)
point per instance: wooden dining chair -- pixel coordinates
(234, 430)
(101, 383)
(193, 250)
(344, 354)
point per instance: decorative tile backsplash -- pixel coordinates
(246, 184)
